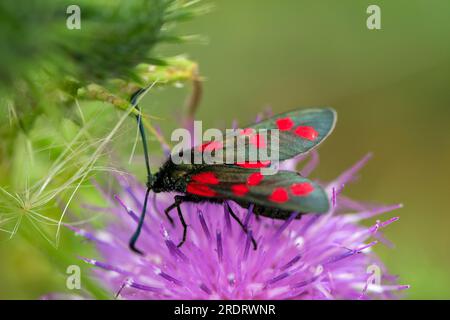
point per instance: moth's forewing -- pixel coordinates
(310, 127)
(297, 132)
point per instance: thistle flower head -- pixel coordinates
(317, 257)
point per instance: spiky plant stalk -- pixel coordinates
(53, 140)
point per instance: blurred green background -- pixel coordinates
(390, 88)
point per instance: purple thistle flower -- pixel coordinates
(317, 257)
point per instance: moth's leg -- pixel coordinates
(244, 228)
(168, 209)
(180, 216)
(176, 204)
(257, 213)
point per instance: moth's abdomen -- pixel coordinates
(274, 213)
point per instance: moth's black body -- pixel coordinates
(276, 196)
(173, 178)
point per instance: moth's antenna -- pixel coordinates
(134, 101)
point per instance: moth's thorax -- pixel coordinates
(171, 177)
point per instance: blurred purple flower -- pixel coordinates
(318, 257)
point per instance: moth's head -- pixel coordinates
(156, 182)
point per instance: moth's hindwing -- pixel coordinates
(285, 190)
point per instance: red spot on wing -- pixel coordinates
(247, 132)
(200, 189)
(284, 124)
(254, 179)
(254, 165)
(307, 132)
(258, 140)
(205, 178)
(279, 195)
(301, 189)
(211, 146)
(239, 189)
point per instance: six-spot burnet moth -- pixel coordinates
(277, 196)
